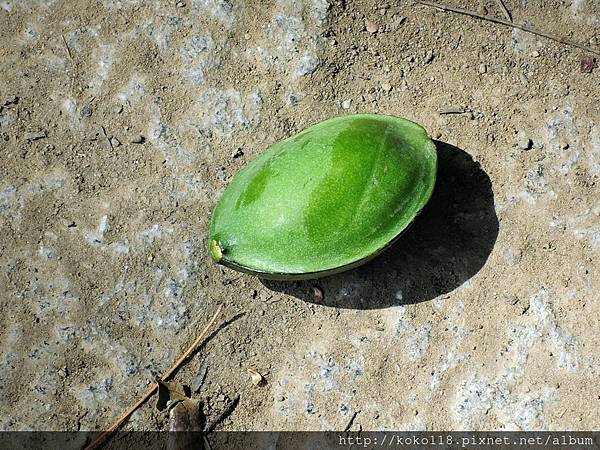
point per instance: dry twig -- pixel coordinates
(71, 61)
(521, 27)
(351, 421)
(505, 10)
(452, 110)
(106, 434)
(66, 46)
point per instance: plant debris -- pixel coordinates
(505, 10)
(99, 442)
(185, 413)
(169, 394)
(256, 377)
(453, 110)
(351, 421)
(199, 380)
(507, 23)
(318, 295)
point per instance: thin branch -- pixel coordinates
(522, 27)
(73, 69)
(452, 110)
(192, 347)
(505, 10)
(108, 433)
(67, 46)
(351, 421)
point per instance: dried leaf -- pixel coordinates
(186, 416)
(169, 394)
(256, 377)
(187, 419)
(317, 294)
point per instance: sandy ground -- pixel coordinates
(121, 123)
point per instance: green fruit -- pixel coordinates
(325, 200)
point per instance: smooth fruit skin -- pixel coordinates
(325, 200)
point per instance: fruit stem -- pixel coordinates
(216, 251)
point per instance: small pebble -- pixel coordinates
(587, 64)
(396, 22)
(535, 53)
(346, 104)
(386, 87)
(138, 139)
(115, 142)
(371, 26)
(428, 57)
(180, 4)
(11, 100)
(523, 141)
(482, 69)
(222, 174)
(238, 153)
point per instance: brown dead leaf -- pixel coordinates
(169, 394)
(186, 416)
(187, 419)
(256, 377)
(317, 294)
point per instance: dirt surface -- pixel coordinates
(121, 123)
